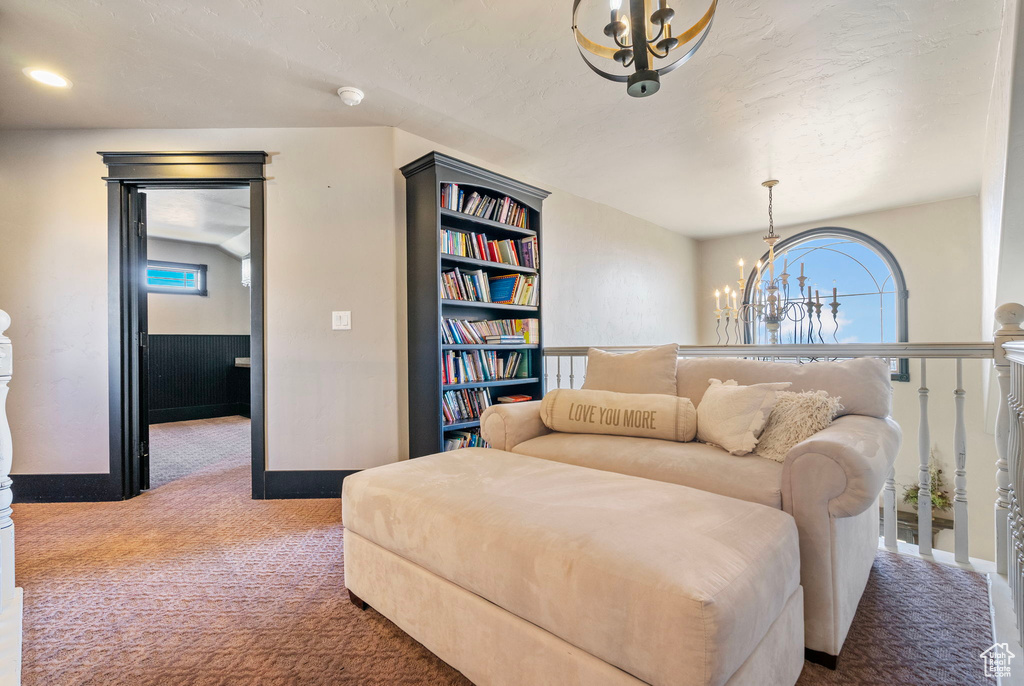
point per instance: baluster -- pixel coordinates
(572, 373)
(961, 547)
(1008, 316)
(889, 509)
(1015, 564)
(1015, 465)
(10, 597)
(1015, 535)
(924, 489)
(558, 372)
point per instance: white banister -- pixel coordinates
(10, 597)
(1009, 317)
(889, 510)
(924, 486)
(960, 545)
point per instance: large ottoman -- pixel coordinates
(520, 571)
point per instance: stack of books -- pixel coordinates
(483, 365)
(464, 404)
(453, 440)
(464, 331)
(504, 210)
(521, 253)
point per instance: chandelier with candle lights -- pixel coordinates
(642, 39)
(773, 308)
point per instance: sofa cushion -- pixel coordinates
(697, 465)
(733, 416)
(644, 415)
(645, 371)
(670, 584)
(863, 385)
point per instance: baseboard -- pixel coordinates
(64, 488)
(184, 414)
(323, 483)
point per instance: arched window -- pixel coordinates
(868, 283)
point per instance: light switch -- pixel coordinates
(341, 321)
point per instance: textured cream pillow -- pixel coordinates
(795, 418)
(733, 416)
(645, 371)
(667, 417)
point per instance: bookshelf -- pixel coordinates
(426, 218)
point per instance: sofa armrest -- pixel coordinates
(844, 465)
(507, 425)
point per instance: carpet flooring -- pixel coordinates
(177, 449)
(195, 583)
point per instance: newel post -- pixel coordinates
(1009, 318)
(10, 597)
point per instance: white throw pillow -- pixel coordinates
(733, 416)
(796, 417)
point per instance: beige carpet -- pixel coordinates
(177, 449)
(194, 583)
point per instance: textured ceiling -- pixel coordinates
(218, 216)
(856, 105)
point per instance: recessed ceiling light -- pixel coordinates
(47, 77)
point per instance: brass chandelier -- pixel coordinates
(643, 38)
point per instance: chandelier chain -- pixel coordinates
(771, 220)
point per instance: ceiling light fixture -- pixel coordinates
(651, 30)
(350, 95)
(47, 77)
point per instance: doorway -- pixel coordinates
(197, 278)
(186, 334)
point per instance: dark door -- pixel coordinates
(138, 478)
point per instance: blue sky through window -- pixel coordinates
(865, 285)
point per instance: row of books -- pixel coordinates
(465, 404)
(504, 210)
(476, 286)
(483, 365)
(453, 440)
(490, 331)
(521, 253)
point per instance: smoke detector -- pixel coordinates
(350, 95)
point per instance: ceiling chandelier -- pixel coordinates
(641, 38)
(773, 308)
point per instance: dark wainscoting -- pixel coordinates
(194, 377)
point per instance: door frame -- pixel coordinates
(134, 170)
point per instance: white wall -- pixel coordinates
(938, 246)
(335, 241)
(223, 310)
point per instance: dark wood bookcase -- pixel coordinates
(426, 308)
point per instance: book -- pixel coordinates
(455, 440)
(514, 398)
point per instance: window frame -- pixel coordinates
(902, 372)
(185, 266)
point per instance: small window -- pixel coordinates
(176, 277)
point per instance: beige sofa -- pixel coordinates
(829, 483)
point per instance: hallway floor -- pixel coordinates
(177, 449)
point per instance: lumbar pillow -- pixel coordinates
(645, 371)
(733, 416)
(667, 417)
(795, 418)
